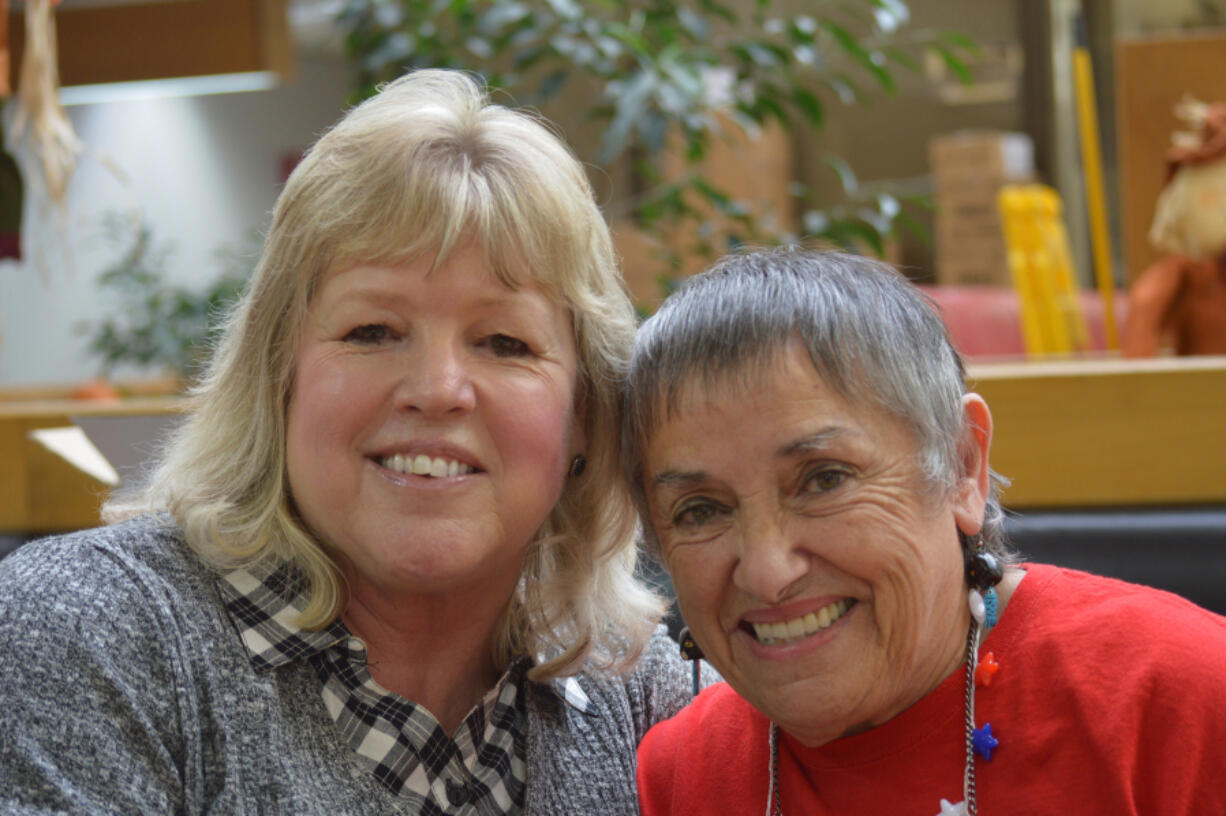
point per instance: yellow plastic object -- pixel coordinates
(1092, 168)
(1041, 269)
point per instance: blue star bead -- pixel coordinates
(984, 742)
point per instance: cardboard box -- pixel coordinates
(982, 154)
(968, 170)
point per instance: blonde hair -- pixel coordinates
(424, 166)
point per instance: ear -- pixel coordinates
(974, 482)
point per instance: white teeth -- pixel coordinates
(422, 465)
(774, 634)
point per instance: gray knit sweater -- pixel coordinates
(125, 689)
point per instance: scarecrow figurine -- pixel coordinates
(1180, 300)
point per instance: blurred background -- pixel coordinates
(145, 142)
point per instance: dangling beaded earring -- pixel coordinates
(690, 650)
(983, 572)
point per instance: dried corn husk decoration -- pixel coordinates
(40, 129)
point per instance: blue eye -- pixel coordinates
(370, 334)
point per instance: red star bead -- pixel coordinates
(986, 669)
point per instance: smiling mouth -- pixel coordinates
(433, 467)
(782, 633)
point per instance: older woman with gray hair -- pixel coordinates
(815, 475)
(387, 563)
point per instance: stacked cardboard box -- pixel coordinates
(968, 170)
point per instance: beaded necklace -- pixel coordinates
(983, 572)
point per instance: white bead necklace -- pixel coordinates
(983, 617)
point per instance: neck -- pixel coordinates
(437, 651)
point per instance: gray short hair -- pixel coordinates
(871, 335)
(425, 166)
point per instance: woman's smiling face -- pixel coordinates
(812, 564)
(431, 422)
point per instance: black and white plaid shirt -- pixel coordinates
(481, 771)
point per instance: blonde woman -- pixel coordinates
(386, 565)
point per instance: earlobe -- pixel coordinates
(974, 483)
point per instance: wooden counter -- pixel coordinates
(39, 491)
(1108, 432)
(1068, 434)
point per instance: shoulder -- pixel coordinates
(1089, 662)
(95, 566)
(685, 759)
(123, 589)
(1065, 603)
(718, 716)
(658, 684)
(1069, 616)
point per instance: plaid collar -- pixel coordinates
(482, 770)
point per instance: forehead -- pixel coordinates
(777, 407)
(466, 271)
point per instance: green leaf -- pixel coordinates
(888, 205)
(847, 176)
(551, 84)
(955, 65)
(907, 61)
(758, 53)
(872, 61)
(890, 15)
(809, 105)
(847, 92)
(629, 108)
(719, 10)
(694, 23)
(959, 40)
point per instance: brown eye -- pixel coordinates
(696, 514)
(825, 480)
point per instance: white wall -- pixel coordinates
(204, 171)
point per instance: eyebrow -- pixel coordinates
(678, 478)
(819, 440)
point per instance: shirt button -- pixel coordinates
(457, 792)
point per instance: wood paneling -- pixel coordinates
(184, 38)
(39, 491)
(1068, 434)
(1112, 432)
(1152, 74)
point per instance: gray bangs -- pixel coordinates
(871, 335)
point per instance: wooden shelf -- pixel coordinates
(1087, 433)
(39, 491)
(1108, 432)
(157, 40)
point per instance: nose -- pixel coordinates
(770, 562)
(436, 380)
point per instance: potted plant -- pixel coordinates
(670, 79)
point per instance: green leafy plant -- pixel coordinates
(157, 324)
(672, 76)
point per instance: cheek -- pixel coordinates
(699, 583)
(534, 427)
(895, 549)
(327, 408)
